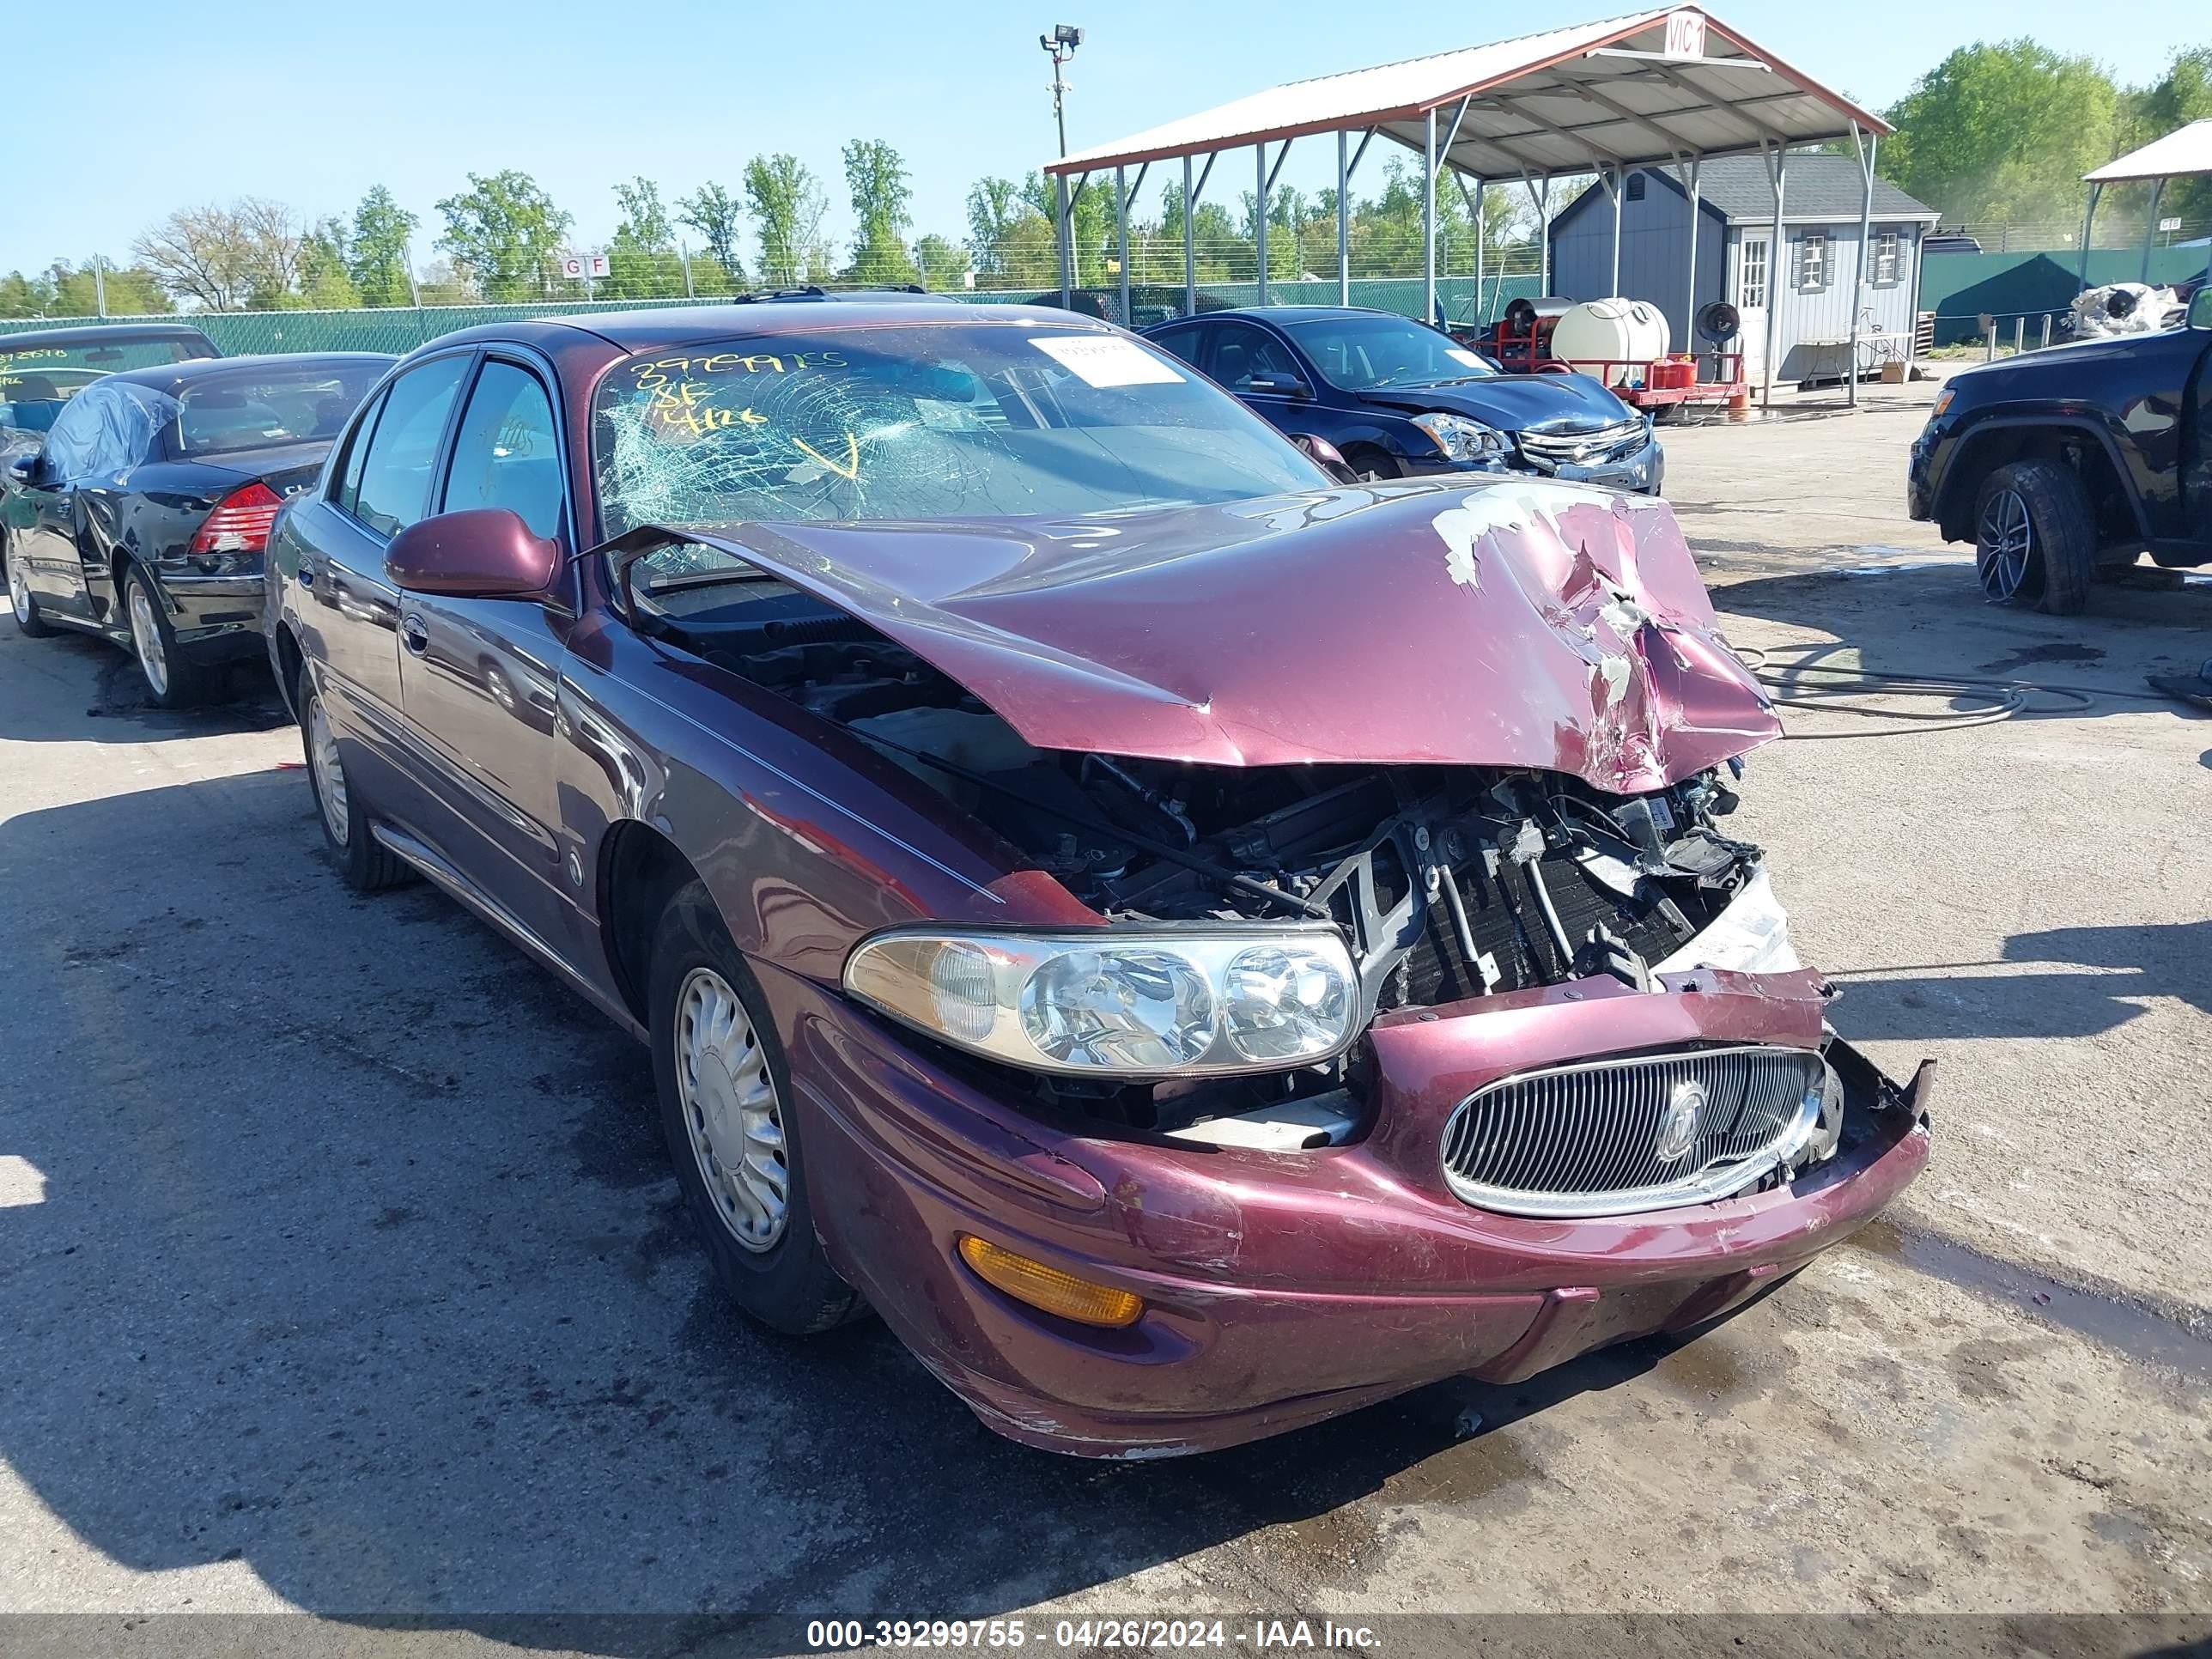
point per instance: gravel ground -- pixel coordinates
(341, 1269)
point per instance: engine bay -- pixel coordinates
(1449, 882)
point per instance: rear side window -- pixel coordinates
(1183, 341)
(508, 453)
(273, 404)
(394, 490)
(347, 494)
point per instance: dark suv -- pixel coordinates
(2064, 462)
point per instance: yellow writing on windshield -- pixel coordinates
(851, 470)
(661, 371)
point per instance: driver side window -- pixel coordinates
(1238, 351)
(394, 490)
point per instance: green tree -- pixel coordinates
(1219, 251)
(20, 296)
(2183, 94)
(68, 290)
(2003, 131)
(943, 262)
(1010, 242)
(715, 213)
(787, 206)
(377, 259)
(504, 234)
(876, 176)
(326, 279)
(642, 263)
(1090, 217)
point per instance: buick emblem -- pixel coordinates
(1678, 1130)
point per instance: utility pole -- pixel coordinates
(1059, 45)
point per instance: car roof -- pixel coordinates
(662, 328)
(171, 377)
(102, 334)
(1288, 315)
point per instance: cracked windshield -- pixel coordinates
(932, 422)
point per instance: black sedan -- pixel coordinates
(1401, 399)
(42, 369)
(144, 516)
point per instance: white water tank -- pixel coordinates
(1614, 340)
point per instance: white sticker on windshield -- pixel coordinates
(1103, 360)
(1468, 357)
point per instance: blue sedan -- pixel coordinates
(1401, 399)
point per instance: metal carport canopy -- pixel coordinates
(1658, 87)
(1578, 100)
(2186, 152)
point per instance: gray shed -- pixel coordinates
(1821, 201)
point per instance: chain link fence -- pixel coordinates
(400, 329)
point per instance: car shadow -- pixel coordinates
(1916, 619)
(2084, 981)
(241, 696)
(356, 1258)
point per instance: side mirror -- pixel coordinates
(2200, 307)
(1324, 455)
(482, 553)
(25, 468)
(1276, 386)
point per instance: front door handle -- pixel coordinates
(417, 633)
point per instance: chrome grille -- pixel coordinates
(1552, 450)
(1588, 1139)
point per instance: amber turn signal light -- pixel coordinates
(1048, 1288)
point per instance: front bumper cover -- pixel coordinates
(1282, 1289)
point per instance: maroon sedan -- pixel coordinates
(1196, 946)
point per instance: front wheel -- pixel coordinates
(2035, 537)
(29, 622)
(726, 1113)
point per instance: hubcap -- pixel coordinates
(2006, 536)
(730, 1111)
(146, 636)
(330, 776)
(19, 585)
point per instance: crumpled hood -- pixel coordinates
(1520, 623)
(1512, 403)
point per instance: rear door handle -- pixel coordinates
(416, 633)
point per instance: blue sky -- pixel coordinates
(150, 105)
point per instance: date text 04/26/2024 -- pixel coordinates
(1261, 1635)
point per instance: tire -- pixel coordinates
(366, 865)
(29, 622)
(723, 1088)
(172, 680)
(1372, 465)
(2035, 537)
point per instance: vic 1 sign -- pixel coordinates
(1685, 34)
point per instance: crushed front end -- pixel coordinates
(1592, 1095)
(1377, 990)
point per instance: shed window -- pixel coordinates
(1813, 261)
(1635, 186)
(1885, 259)
(1751, 276)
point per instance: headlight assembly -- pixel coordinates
(1124, 1002)
(1464, 439)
